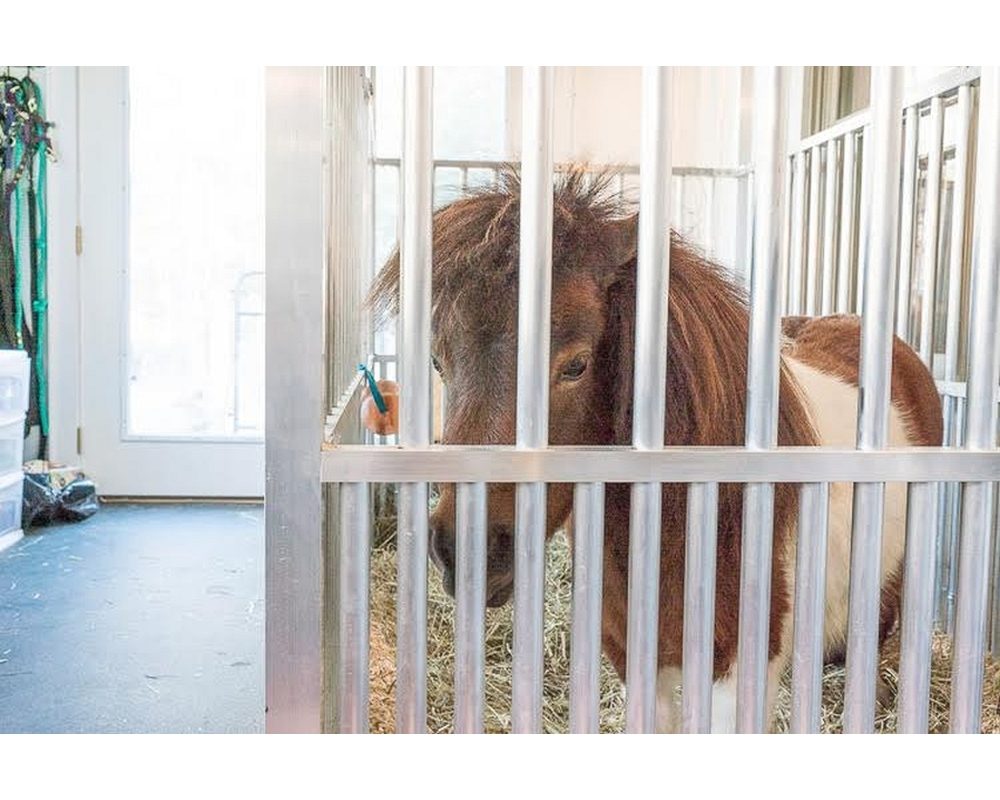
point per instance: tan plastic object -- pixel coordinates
(383, 424)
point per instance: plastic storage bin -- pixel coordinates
(14, 378)
(11, 490)
(11, 444)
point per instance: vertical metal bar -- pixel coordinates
(296, 393)
(649, 416)
(534, 301)
(847, 213)
(829, 228)
(813, 246)
(352, 685)
(411, 609)
(994, 637)
(699, 607)
(708, 235)
(932, 216)
(746, 214)
(981, 419)
(810, 606)
(873, 417)
(918, 608)
(770, 89)
(956, 260)
(796, 247)
(415, 397)
(470, 606)
(950, 411)
(908, 210)
(865, 203)
(954, 509)
(588, 587)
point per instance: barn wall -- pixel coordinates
(598, 112)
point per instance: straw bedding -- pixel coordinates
(555, 710)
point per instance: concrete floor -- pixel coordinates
(144, 618)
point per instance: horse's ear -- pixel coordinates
(621, 237)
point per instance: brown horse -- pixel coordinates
(474, 320)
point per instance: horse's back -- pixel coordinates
(823, 355)
(832, 345)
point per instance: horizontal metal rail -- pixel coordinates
(622, 169)
(491, 464)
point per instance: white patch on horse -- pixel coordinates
(724, 705)
(832, 405)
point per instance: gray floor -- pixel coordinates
(144, 618)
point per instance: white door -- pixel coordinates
(171, 270)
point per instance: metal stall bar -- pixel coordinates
(770, 88)
(810, 605)
(879, 248)
(908, 211)
(295, 390)
(918, 608)
(829, 228)
(864, 212)
(623, 464)
(813, 243)
(847, 203)
(649, 406)
(932, 215)
(699, 607)
(949, 511)
(352, 611)
(533, 329)
(588, 585)
(981, 419)
(795, 247)
(470, 606)
(956, 257)
(415, 397)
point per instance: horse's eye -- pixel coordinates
(437, 365)
(574, 370)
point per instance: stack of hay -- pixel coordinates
(555, 708)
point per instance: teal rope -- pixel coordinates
(41, 304)
(373, 388)
(18, 236)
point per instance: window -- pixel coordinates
(832, 93)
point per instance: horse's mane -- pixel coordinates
(475, 261)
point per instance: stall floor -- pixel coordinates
(144, 618)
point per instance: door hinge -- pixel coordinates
(79, 240)
(79, 441)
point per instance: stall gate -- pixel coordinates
(824, 212)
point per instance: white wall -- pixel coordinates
(60, 89)
(597, 116)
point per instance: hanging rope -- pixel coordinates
(25, 147)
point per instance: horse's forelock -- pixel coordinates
(476, 237)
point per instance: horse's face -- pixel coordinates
(477, 360)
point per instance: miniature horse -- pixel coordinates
(474, 322)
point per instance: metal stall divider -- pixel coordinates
(415, 397)
(981, 419)
(879, 262)
(762, 396)
(531, 463)
(649, 406)
(932, 216)
(533, 318)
